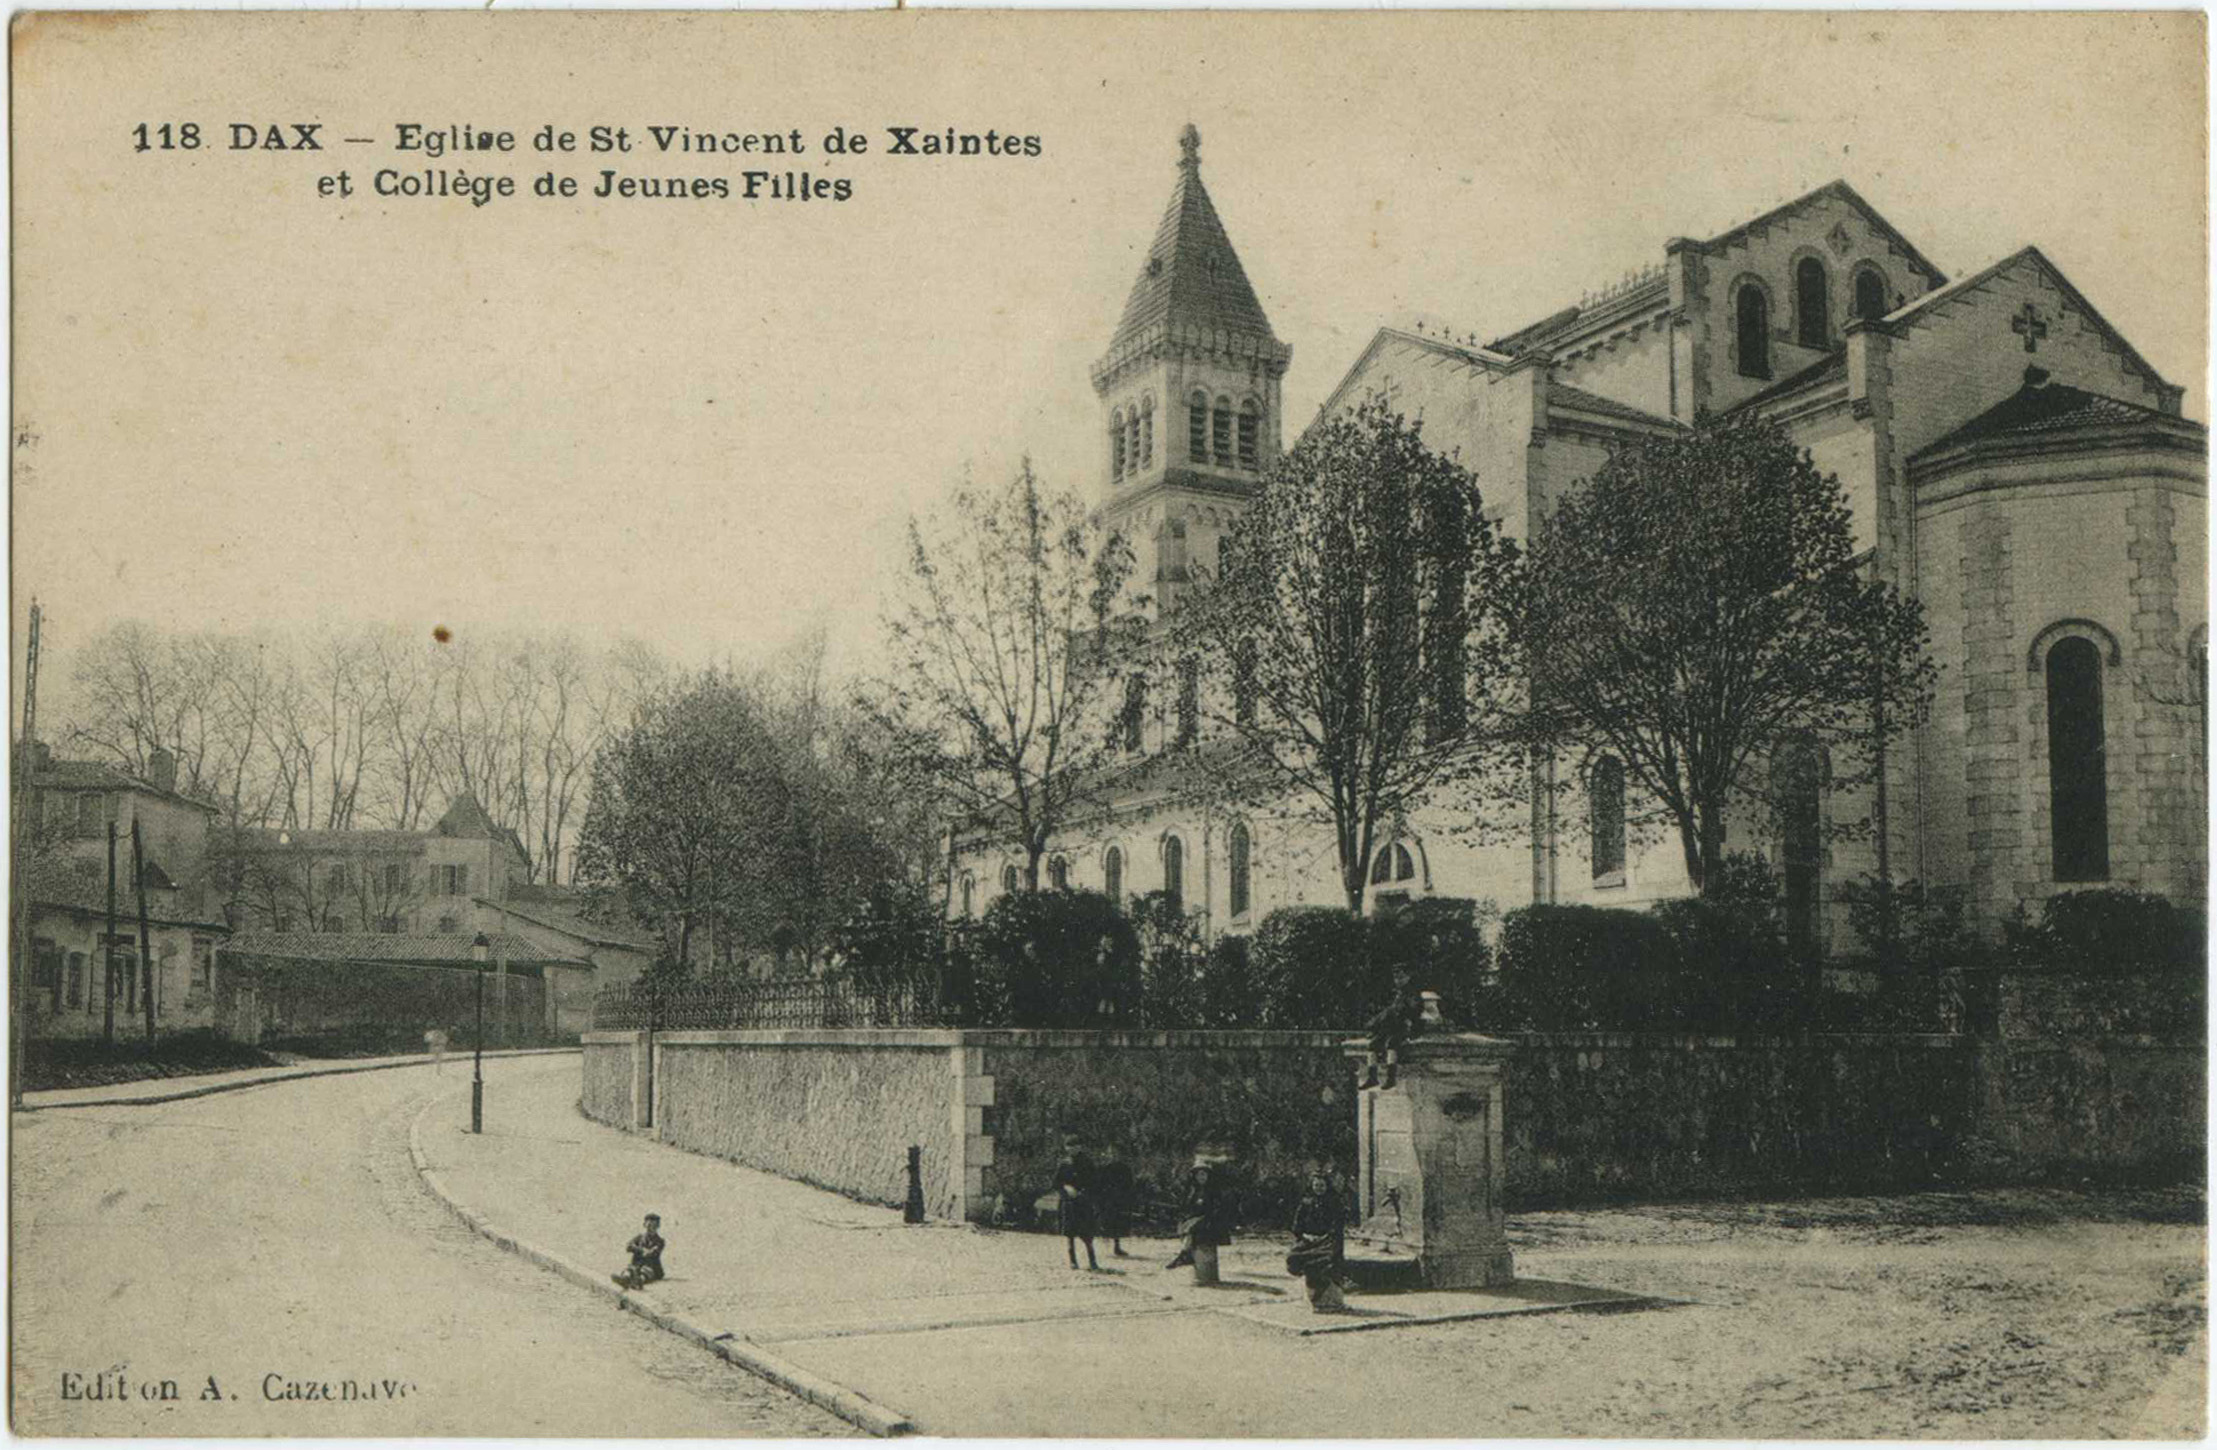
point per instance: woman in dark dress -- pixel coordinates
(1209, 1211)
(1113, 1192)
(1075, 1187)
(1319, 1243)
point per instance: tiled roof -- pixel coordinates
(98, 775)
(1832, 365)
(1565, 395)
(2046, 407)
(1192, 275)
(68, 885)
(564, 909)
(450, 949)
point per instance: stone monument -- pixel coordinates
(1428, 1185)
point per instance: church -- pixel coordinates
(2009, 459)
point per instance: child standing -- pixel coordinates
(1113, 1193)
(646, 1256)
(1074, 1191)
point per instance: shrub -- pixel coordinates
(1054, 959)
(1170, 961)
(897, 937)
(1439, 943)
(1231, 994)
(1312, 968)
(1730, 967)
(1582, 967)
(2112, 932)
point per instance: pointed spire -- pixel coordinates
(1192, 276)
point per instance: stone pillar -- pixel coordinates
(1204, 1265)
(1430, 1161)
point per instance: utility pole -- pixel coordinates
(25, 817)
(146, 954)
(107, 951)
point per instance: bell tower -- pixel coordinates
(1189, 391)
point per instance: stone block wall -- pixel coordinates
(1589, 1117)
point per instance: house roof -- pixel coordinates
(65, 885)
(1192, 275)
(2043, 407)
(563, 909)
(450, 949)
(98, 775)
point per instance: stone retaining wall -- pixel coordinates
(1589, 1117)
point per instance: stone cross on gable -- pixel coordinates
(2029, 324)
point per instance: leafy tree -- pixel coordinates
(1355, 641)
(1002, 637)
(1700, 602)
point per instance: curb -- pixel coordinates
(207, 1090)
(854, 1408)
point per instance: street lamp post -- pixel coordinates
(478, 949)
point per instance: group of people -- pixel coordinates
(1094, 1200)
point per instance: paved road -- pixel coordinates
(278, 1242)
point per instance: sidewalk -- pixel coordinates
(937, 1322)
(199, 1085)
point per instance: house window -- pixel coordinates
(1797, 791)
(1605, 819)
(1870, 295)
(76, 978)
(1197, 428)
(1011, 878)
(389, 925)
(396, 878)
(1189, 701)
(1112, 875)
(969, 896)
(1754, 332)
(1812, 304)
(1242, 870)
(1250, 429)
(2078, 785)
(1393, 864)
(203, 963)
(1058, 873)
(1131, 441)
(46, 971)
(1147, 430)
(337, 879)
(1220, 432)
(1116, 444)
(450, 923)
(1135, 711)
(89, 815)
(1173, 871)
(454, 880)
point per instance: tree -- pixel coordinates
(1700, 602)
(1356, 638)
(1003, 639)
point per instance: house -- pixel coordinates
(2009, 458)
(393, 987)
(375, 880)
(82, 958)
(555, 919)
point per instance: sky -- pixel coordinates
(240, 404)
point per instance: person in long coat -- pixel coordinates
(1209, 1214)
(1320, 1242)
(1075, 1189)
(1113, 1193)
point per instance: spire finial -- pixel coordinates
(1189, 147)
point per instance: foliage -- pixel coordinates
(897, 935)
(718, 815)
(1171, 961)
(1312, 967)
(1354, 644)
(1440, 946)
(1231, 995)
(1699, 602)
(2112, 932)
(1055, 959)
(1000, 695)
(1579, 967)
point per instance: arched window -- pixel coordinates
(1134, 721)
(1797, 802)
(1189, 700)
(1242, 852)
(1116, 444)
(1058, 873)
(1173, 871)
(1147, 430)
(1197, 428)
(1812, 304)
(1011, 878)
(1220, 432)
(1250, 431)
(1131, 441)
(1393, 864)
(1754, 332)
(1605, 818)
(1112, 875)
(969, 895)
(2078, 776)
(1870, 295)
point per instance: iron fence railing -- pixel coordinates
(772, 1003)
